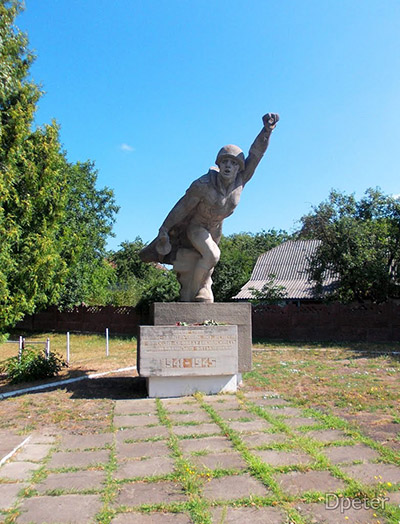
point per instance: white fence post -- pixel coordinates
(67, 347)
(20, 348)
(107, 346)
(47, 349)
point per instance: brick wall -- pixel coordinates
(91, 319)
(336, 322)
(309, 322)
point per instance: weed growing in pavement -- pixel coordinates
(186, 473)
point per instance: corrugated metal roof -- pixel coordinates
(289, 263)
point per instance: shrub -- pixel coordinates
(33, 365)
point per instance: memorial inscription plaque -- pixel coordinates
(167, 351)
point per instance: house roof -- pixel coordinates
(289, 263)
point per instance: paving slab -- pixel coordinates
(8, 494)
(394, 498)
(8, 442)
(195, 416)
(373, 473)
(296, 422)
(285, 411)
(229, 515)
(138, 493)
(251, 426)
(180, 401)
(78, 459)
(32, 452)
(320, 514)
(268, 402)
(200, 429)
(296, 483)
(142, 433)
(327, 435)
(142, 449)
(234, 487)
(187, 406)
(262, 394)
(151, 518)
(71, 509)
(76, 481)
(226, 460)
(129, 421)
(42, 438)
(343, 454)
(211, 444)
(81, 442)
(223, 405)
(218, 399)
(283, 458)
(144, 468)
(130, 406)
(18, 470)
(236, 414)
(263, 439)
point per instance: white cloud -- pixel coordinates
(126, 147)
(397, 195)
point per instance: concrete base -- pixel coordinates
(165, 387)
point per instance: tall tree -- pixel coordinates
(360, 243)
(88, 221)
(32, 176)
(53, 220)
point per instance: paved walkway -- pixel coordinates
(214, 459)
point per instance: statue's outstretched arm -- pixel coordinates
(260, 145)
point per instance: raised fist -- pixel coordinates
(163, 246)
(270, 120)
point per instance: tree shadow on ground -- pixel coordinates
(114, 388)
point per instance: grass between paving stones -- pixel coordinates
(187, 474)
(333, 422)
(110, 491)
(257, 468)
(354, 489)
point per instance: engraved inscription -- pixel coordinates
(187, 350)
(189, 341)
(189, 362)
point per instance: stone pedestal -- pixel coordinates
(233, 313)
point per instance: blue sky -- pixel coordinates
(151, 89)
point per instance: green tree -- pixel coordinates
(31, 182)
(88, 221)
(360, 243)
(239, 253)
(140, 283)
(53, 221)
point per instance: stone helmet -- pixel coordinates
(231, 151)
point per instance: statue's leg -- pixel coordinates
(203, 242)
(184, 267)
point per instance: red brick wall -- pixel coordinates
(313, 322)
(91, 319)
(336, 322)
